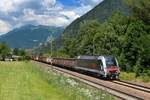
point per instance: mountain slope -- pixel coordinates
(101, 13)
(30, 36)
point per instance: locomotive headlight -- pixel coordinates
(107, 71)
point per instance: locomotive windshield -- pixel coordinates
(110, 61)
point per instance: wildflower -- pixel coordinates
(72, 82)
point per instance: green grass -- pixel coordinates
(21, 81)
(28, 81)
(132, 77)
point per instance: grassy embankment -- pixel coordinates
(132, 77)
(26, 81)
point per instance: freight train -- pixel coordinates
(102, 66)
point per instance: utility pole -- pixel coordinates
(50, 40)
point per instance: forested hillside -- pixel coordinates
(100, 13)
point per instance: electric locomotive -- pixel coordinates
(103, 66)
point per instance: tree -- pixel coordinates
(133, 49)
(140, 9)
(138, 69)
(83, 43)
(16, 51)
(85, 39)
(4, 50)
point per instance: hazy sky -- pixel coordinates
(15, 13)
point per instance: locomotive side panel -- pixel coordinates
(90, 64)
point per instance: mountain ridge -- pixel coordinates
(30, 36)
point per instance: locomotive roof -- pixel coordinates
(91, 57)
(87, 57)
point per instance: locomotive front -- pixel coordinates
(111, 67)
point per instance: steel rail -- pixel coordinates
(133, 85)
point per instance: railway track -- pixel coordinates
(133, 85)
(120, 89)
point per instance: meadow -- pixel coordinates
(130, 76)
(28, 81)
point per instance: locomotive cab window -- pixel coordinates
(110, 61)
